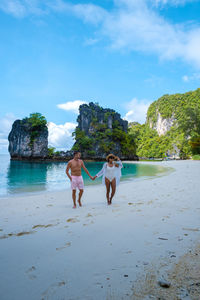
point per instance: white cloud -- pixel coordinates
(5, 128)
(91, 41)
(137, 110)
(193, 77)
(21, 8)
(172, 2)
(138, 27)
(71, 105)
(185, 78)
(134, 25)
(13, 7)
(60, 136)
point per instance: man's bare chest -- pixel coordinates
(76, 165)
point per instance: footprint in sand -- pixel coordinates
(128, 252)
(68, 244)
(1, 229)
(30, 272)
(46, 294)
(150, 202)
(72, 220)
(61, 283)
(5, 236)
(88, 215)
(43, 226)
(155, 232)
(86, 224)
(191, 229)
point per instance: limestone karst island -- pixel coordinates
(171, 130)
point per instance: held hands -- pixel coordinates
(94, 177)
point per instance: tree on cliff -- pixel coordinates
(37, 123)
(37, 120)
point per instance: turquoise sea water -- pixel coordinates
(20, 177)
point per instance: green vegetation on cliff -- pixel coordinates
(183, 136)
(105, 138)
(37, 123)
(101, 131)
(174, 106)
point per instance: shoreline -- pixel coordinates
(47, 248)
(128, 179)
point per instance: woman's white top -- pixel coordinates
(116, 171)
(110, 172)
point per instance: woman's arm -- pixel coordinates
(118, 163)
(100, 173)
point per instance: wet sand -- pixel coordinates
(50, 251)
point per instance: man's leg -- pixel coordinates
(113, 186)
(79, 197)
(74, 197)
(107, 182)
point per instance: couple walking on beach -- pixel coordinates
(111, 173)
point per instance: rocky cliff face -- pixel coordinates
(162, 125)
(26, 144)
(101, 131)
(93, 113)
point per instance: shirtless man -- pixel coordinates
(76, 179)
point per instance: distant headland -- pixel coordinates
(172, 130)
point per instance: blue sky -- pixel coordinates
(123, 54)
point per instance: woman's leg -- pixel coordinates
(107, 182)
(113, 186)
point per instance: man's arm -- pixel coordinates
(67, 170)
(86, 170)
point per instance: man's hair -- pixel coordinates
(75, 152)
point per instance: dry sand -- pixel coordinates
(181, 280)
(50, 251)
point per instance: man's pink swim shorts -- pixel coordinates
(77, 182)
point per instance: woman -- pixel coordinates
(111, 173)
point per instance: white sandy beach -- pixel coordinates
(50, 251)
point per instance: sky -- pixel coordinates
(123, 54)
